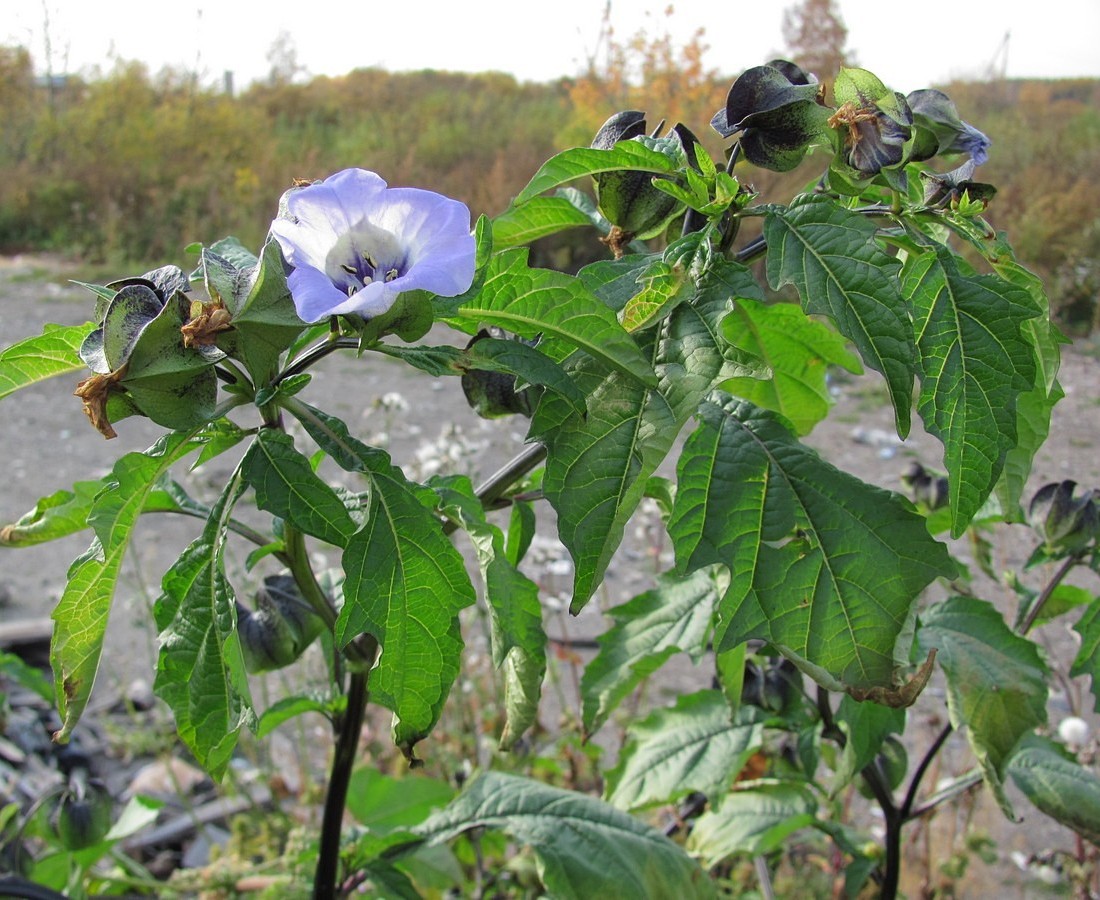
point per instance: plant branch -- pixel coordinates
(314, 354)
(1040, 601)
(918, 774)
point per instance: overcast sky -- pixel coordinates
(947, 38)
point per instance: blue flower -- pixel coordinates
(355, 244)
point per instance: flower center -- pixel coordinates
(364, 255)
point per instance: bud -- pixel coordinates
(627, 198)
(1067, 524)
(492, 394)
(927, 490)
(83, 815)
(939, 130)
(281, 627)
(779, 111)
(874, 122)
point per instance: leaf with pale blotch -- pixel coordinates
(824, 566)
(405, 583)
(996, 681)
(34, 359)
(517, 638)
(80, 617)
(578, 162)
(676, 616)
(693, 746)
(583, 846)
(1058, 785)
(201, 673)
(829, 254)
(976, 360)
(797, 351)
(752, 822)
(1087, 661)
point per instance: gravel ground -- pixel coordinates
(47, 443)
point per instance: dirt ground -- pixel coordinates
(46, 443)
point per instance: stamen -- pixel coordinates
(370, 260)
(349, 269)
(391, 274)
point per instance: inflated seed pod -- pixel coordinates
(279, 629)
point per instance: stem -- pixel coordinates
(314, 354)
(918, 774)
(1040, 601)
(348, 728)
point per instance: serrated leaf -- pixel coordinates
(829, 254)
(34, 359)
(598, 466)
(536, 218)
(798, 352)
(517, 638)
(676, 616)
(1058, 786)
(693, 746)
(541, 302)
(584, 847)
(80, 617)
(286, 486)
(867, 725)
(996, 681)
(824, 566)
(578, 162)
(385, 804)
(975, 362)
(752, 822)
(405, 583)
(200, 668)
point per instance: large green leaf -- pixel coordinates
(975, 362)
(540, 302)
(34, 359)
(584, 847)
(1058, 785)
(694, 746)
(829, 253)
(580, 161)
(286, 486)
(200, 670)
(797, 351)
(598, 466)
(538, 217)
(1087, 661)
(676, 616)
(823, 565)
(405, 583)
(996, 680)
(752, 821)
(80, 617)
(515, 614)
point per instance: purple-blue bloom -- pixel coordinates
(355, 244)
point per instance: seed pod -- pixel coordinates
(83, 814)
(281, 627)
(1065, 523)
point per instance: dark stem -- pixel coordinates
(918, 774)
(1040, 601)
(315, 353)
(347, 728)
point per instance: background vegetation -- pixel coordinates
(134, 165)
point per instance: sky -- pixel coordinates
(949, 38)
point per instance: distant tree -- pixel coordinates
(815, 35)
(282, 57)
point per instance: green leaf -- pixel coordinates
(286, 486)
(405, 583)
(1087, 661)
(825, 567)
(752, 822)
(34, 359)
(975, 360)
(676, 616)
(584, 847)
(288, 707)
(867, 725)
(1058, 785)
(580, 161)
(515, 614)
(80, 617)
(598, 466)
(797, 350)
(528, 364)
(537, 218)
(829, 254)
(996, 681)
(385, 804)
(694, 746)
(540, 302)
(200, 669)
